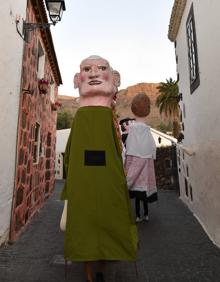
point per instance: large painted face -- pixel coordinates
(95, 78)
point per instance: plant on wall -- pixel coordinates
(55, 106)
(43, 85)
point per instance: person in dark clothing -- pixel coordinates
(124, 123)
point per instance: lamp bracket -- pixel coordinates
(33, 26)
(29, 27)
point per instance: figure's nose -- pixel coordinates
(94, 72)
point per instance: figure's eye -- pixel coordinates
(103, 68)
(86, 69)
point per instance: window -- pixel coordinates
(192, 51)
(36, 148)
(40, 61)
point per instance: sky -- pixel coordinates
(131, 35)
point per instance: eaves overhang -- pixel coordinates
(41, 17)
(175, 19)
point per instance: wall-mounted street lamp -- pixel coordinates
(55, 9)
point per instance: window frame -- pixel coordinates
(194, 77)
(36, 144)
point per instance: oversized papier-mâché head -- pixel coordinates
(140, 105)
(96, 79)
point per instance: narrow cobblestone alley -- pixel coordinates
(173, 248)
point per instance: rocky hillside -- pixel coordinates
(124, 98)
(69, 103)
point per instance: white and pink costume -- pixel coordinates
(140, 155)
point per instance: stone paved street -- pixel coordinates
(173, 248)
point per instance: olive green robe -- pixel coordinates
(100, 223)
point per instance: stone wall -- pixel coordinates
(166, 168)
(34, 178)
(124, 98)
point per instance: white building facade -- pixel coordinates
(161, 139)
(195, 30)
(62, 136)
(11, 51)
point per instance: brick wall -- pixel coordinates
(34, 180)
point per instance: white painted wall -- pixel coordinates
(166, 140)
(61, 141)
(202, 120)
(11, 51)
(59, 166)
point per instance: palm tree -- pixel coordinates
(167, 102)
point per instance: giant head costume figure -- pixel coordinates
(95, 185)
(97, 82)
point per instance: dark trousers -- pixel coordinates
(138, 206)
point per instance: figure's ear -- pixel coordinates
(116, 78)
(76, 80)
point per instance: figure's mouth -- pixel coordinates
(95, 82)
